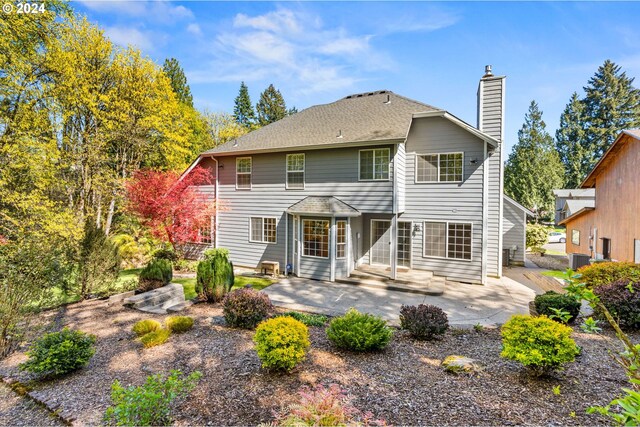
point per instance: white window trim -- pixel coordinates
(262, 241)
(304, 173)
(446, 240)
(328, 241)
(250, 173)
(415, 168)
(346, 238)
(374, 162)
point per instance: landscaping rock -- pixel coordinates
(460, 365)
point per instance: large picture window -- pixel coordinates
(243, 173)
(262, 230)
(447, 240)
(374, 164)
(315, 238)
(295, 171)
(341, 239)
(444, 167)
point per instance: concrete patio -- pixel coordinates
(466, 305)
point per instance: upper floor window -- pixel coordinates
(444, 167)
(374, 164)
(243, 173)
(263, 230)
(295, 170)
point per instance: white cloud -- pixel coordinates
(194, 29)
(280, 21)
(125, 36)
(161, 11)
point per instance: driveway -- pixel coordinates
(466, 305)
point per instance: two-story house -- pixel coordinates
(373, 178)
(609, 228)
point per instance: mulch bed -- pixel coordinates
(550, 262)
(403, 384)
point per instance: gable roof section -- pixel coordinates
(572, 206)
(590, 180)
(322, 205)
(518, 205)
(368, 117)
(575, 192)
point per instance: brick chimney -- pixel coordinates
(491, 104)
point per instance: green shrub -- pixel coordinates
(307, 318)
(245, 308)
(179, 324)
(156, 274)
(214, 275)
(538, 343)
(150, 404)
(550, 300)
(155, 338)
(622, 299)
(58, 353)
(167, 254)
(99, 260)
(628, 413)
(537, 235)
(359, 331)
(186, 266)
(424, 321)
(143, 327)
(603, 273)
(324, 407)
(281, 342)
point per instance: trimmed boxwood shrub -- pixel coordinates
(214, 277)
(603, 273)
(546, 302)
(540, 344)
(622, 299)
(156, 274)
(281, 342)
(179, 324)
(58, 353)
(359, 331)
(423, 321)
(245, 308)
(143, 327)
(155, 338)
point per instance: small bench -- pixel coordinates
(272, 266)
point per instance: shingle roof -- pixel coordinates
(372, 116)
(572, 206)
(322, 205)
(575, 192)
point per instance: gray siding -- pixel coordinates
(327, 173)
(454, 202)
(400, 164)
(491, 108)
(514, 223)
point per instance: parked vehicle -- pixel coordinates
(557, 237)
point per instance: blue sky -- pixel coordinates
(317, 52)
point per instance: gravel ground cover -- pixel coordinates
(403, 384)
(550, 262)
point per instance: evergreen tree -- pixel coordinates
(571, 144)
(534, 169)
(612, 104)
(172, 69)
(243, 112)
(271, 106)
(292, 111)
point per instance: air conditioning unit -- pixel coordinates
(578, 260)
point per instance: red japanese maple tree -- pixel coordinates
(172, 208)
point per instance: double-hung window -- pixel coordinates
(262, 230)
(443, 167)
(374, 164)
(315, 238)
(243, 173)
(341, 239)
(447, 240)
(295, 171)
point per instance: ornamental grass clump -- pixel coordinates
(179, 324)
(58, 353)
(245, 308)
(281, 342)
(540, 344)
(155, 338)
(551, 304)
(424, 322)
(143, 327)
(359, 331)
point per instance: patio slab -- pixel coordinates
(466, 305)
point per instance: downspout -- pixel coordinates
(394, 239)
(501, 165)
(485, 212)
(286, 242)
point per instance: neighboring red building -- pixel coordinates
(611, 229)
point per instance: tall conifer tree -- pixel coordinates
(243, 112)
(174, 71)
(571, 144)
(271, 106)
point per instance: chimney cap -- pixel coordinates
(487, 71)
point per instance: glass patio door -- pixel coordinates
(381, 241)
(404, 244)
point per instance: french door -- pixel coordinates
(381, 241)
(404, 244)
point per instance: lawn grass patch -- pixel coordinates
(257, 283)
(554, 273)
